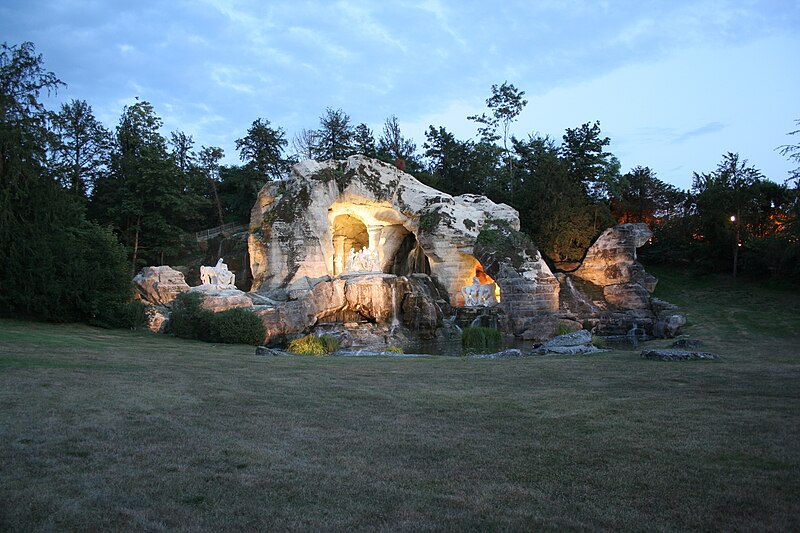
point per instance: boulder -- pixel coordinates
(221, 298)
(157, 318)
(611, 260)
(159, 285)
(627, 296)
(668, 326)
(688, 343)
(667, 354)
(577, 342)
(505, 354)
(263, 350)
(542, 328)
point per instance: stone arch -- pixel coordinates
(349, 232)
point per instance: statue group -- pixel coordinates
(478, 294)
(365, 260)
(217, 275)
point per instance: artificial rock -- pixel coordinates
(360, 242)
(159, 285)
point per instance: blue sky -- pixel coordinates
(675, 84)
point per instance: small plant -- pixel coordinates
(599, 342)
(394, 349)
(330, 342)
(313, 345)
(481, 340)
(562, 329)
(429, 220)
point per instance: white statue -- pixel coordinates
(478, 294)
(217, 275)
(365, 260)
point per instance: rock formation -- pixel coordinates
(359, 241)
(424, 246)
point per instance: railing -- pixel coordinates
(230, 227)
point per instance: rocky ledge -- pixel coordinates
(667, 354)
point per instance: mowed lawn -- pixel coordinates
(115, 430)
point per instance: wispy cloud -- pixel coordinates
(711, 127)
(443, 17)
(230, 77)
(322, 43)
(365, 24)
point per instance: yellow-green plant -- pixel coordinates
(313, 345)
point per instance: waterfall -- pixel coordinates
(395, 321)
(417, 262)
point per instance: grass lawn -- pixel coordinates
(113, 430)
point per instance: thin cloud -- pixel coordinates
(707, 129)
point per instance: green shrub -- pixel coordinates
(127, 315)
(237, 326)
(188, 319)
(394, 349)
(330, 343)
(309, 345)
(481, 340)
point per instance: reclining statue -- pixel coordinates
(478, 294)
(217, 275)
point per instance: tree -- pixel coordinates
(722, 200)
(644, 198)
(459, 167)
(305, 144)
(393, 147)
(506, 103)
(335, 136)
(589, 163)
(81, 147)
(182, 145)
(262, 150)
(792, 152)
(54, 264)
(209, 164)
(554, 208)
(145, 195)
(364, 141)
(238, 190)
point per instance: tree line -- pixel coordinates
(84, 206)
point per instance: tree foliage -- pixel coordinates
(262, 150)
(54, 264)
(335, 136)
(396, 149)
(81, 147)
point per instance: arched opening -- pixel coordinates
(410, 258)
(349, 233)
(478, 289)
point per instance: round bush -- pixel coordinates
(237, 326)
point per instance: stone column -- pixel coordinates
(375, 244)
(339, 256)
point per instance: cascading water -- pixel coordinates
(395, 321)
